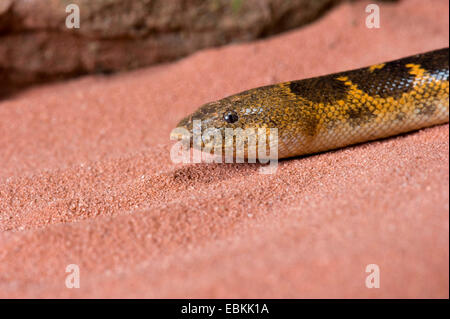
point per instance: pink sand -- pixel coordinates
(86, 179)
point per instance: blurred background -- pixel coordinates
(116, 35)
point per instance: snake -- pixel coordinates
(332, 111)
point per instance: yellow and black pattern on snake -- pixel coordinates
(336, 110)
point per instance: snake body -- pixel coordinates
(336, 110)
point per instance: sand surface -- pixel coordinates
(86, 178)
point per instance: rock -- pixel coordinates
(114, 35)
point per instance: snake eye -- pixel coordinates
(230, 117)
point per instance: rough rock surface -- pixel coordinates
(36, 46)
(86, 179)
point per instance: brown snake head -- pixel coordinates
(244, 113)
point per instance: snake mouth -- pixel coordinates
(181, 133)
(194, 142)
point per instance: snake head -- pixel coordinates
(239, 115)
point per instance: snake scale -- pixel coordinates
(336, 110)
